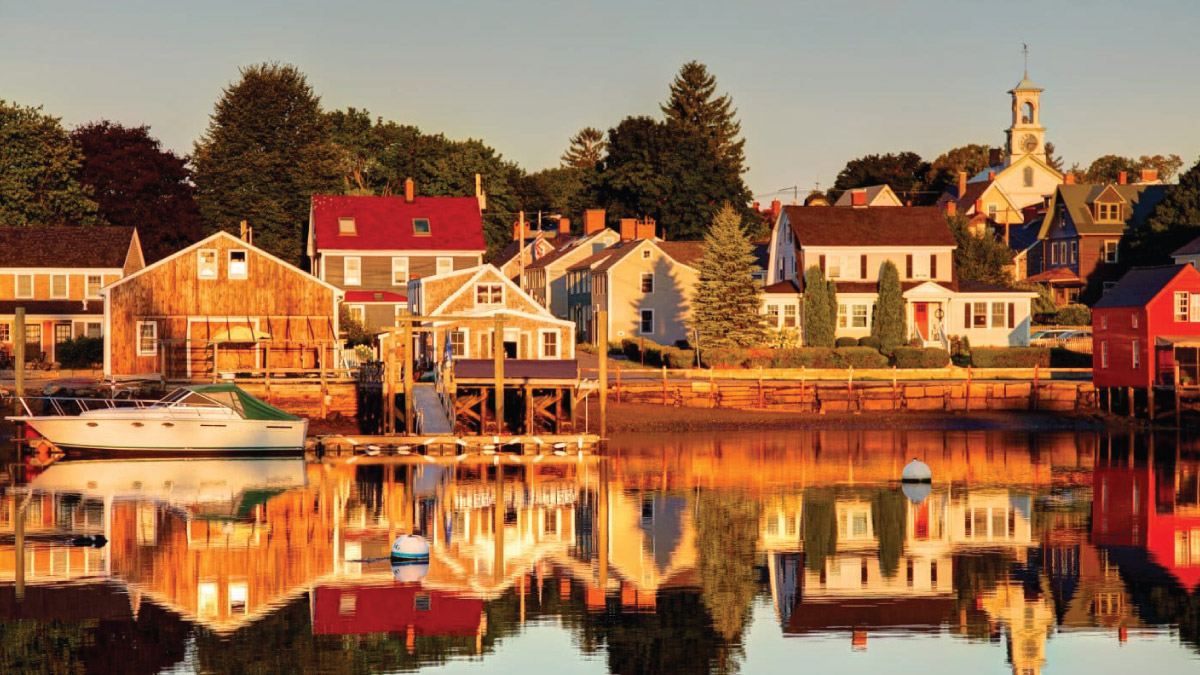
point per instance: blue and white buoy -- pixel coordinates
(916, 471)
(409, 572)
(410, 548)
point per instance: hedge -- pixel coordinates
(921, 357)
(725, 357)
(845, 342)
(858, 357)
(80, 352)
(674, 357)
(803, 357)
(870, 341)
(1065, 358)
(1010, 357)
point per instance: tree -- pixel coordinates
(943, 171)
(889, 516)
(726, 538)
(586, 149)
(727, 301)
(905, 172)
(137, 183)
(1174, 222)
(694, 104)
(831, 300)
(889, 327)
(265, 152)
(819, 330)
(979, 257)
(1053, 159)
(38, 169)
(1107, 169)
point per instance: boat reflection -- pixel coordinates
(660, 549)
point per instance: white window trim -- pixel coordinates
(346, 271)
(346, 232)
(641, 320)
(466, 342)
(361, 309)
(1104, 353)
(558, 347)
(7, 326)
(17, 286)
(200, 263)
(246, 260)
(99, 327)
(147, 352)
(1133, 320)
(66, 286)
(1135, 361)
(1115, 251)
(439, 262)
(1183, 316)
(1194, 307)
(86, 285)
(490, 287)
(399, 263)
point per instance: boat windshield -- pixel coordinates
(215, 399)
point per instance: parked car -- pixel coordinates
(1049, 333)
(1076, 335)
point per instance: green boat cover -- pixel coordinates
(251, 408)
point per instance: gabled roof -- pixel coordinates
(1022, 237)
(683, 252)
(1076, 202)
(786, 287)
(873, 192)
(1056, 274)
(570, 246)
(1139, 286)
(510, 251)
(598, 257)
(900, 226)
(762, 255)
(1190, 248)
(63, 246)
(386, 223)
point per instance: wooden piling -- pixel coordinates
(1130, 393)
(967, 391)
(498, 370)
(618, 384)
(1033, 393)
(18, 338)
(1150, 402)
(664, 383)
(1178, 401)
(602, 350)
(407, 373)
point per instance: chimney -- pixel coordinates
(991, 174)
(978, 206)
(951, 207)
(409, 190)
(858, 197)
(1148, 175)
(1069, 178)
(962, 183)
(516, 230)
(644, 229)
(776, 208)
(593, 221)
(755, 206)
(564, 226)
(628, 229)
(1122, 178)
(480, 195)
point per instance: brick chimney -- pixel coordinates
(776, 208)
(978, 206)
(517, 230)
(951, 207)
(593, 221)
(410, 190)
(1122, 178)
(1069, 178)
(858, 197)
(991, 174)
(1148, 175)
(962, 183)
(480, 195)
(564, 226)
(644, 229)
(755, 206)
(628, 229)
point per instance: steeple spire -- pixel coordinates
(1025, 53)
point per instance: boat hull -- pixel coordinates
(178, 435)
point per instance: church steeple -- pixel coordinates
(1026, 135)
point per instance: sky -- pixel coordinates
(815, 83)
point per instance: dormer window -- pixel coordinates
(1108, 213)
(346, 226)
(421, 227)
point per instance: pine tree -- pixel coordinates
(266, 151)
(728, 300)
(586, 149)
(693, 102)
(889, 326)
(831, 297)
(818, 323)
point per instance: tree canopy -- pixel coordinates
(694, 103)
(943, 171)
(39, 169)
(727, 300)
(979, 257)
(905, 172)
(265, 152)
(1173, 223)
(586, 149)
(1107, 168)
(137, 183)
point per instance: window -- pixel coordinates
(1104, 353)
(94, 283)
(206, 261)
(62, 333)
(1181, 306)
(93, 330)
(147, 338)
(489, 294)
(1110, 251)
(647, 282)
(1137, 357)
(238, 266)
(33, 334)
(853, 315)
(979, 315)
(24, 285)
(346, 226)
(445, 265)
(58, 286)
(858, 316)
(1133, 320)
(1053, 253)
(421, 226)
(843, 315)
(352, 271)
(399, 271)
(1194, 306)
(645, 254)
(647, 322)
(1027, 174)
(5, 333)
(999, 314)
(773, 315)
(1107, 213)
(1074, 251)
(1104, 322)
(549, 344)
(357, 312)
(458, 343)
(789, 316)
(834, 266)
(992, 211)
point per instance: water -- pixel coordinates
(753, 553)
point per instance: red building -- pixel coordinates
(1140, 325)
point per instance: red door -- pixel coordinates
(921, 318)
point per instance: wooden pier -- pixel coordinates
(456, 447)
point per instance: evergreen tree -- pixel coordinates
(831, 294)
(38, 168)
(889, 326)
(586, 149)
(727, 302)
(1173, 223)
(818, 323)
(266, 151)
(694, 104)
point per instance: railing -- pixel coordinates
(66, 406)
(261, 361)
(446, 389)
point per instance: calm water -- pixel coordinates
(754, 553)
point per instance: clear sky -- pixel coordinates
(815, 83)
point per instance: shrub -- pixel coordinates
(858, 357)
(759, 358)
(1066, 358)
(870, 341)
(724, 357)
(1010, 357)
(803, 357)
(81, 352)
(633, 349)
(1074, 315)
(586, 348)
(679, 358)
(921, 357)
(845, 342)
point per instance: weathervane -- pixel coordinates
(1025, 53)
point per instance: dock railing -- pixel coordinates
(259, 361)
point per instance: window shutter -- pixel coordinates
(932, 265)
(966, 315)
(908, 266)
(862, 262)
(821, 262)
(1012, 315)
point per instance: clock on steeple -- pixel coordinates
(1026, 135)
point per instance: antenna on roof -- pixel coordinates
(1025, 53)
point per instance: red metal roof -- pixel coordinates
(386, 223)
(353, 297)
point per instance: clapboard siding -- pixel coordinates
(377, 270)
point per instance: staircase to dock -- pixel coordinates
(433, 415)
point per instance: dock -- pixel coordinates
(455, 447)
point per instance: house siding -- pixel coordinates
(377, 269)
(674, 285)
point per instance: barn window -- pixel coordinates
(352, 271)
(238, 266)
(5, 333)
(206, 261)
(549, 344)
(489, 294)
(347, 226)
(147, 344)
(421, 226)
(94, 283)
(24, 285)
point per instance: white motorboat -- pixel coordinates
(195, 418)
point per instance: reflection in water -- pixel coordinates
(652, 560)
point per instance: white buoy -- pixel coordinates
(916, 471)
(409, 572)
(916, 492)
(410, 547)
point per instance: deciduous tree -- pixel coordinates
(943, 171)
(38, 171)
(727, 301)
(889, 327)
(979, 257)
(1173, 223)
(905, 172)
(819, 328)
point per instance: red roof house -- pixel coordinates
(1140, 325)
